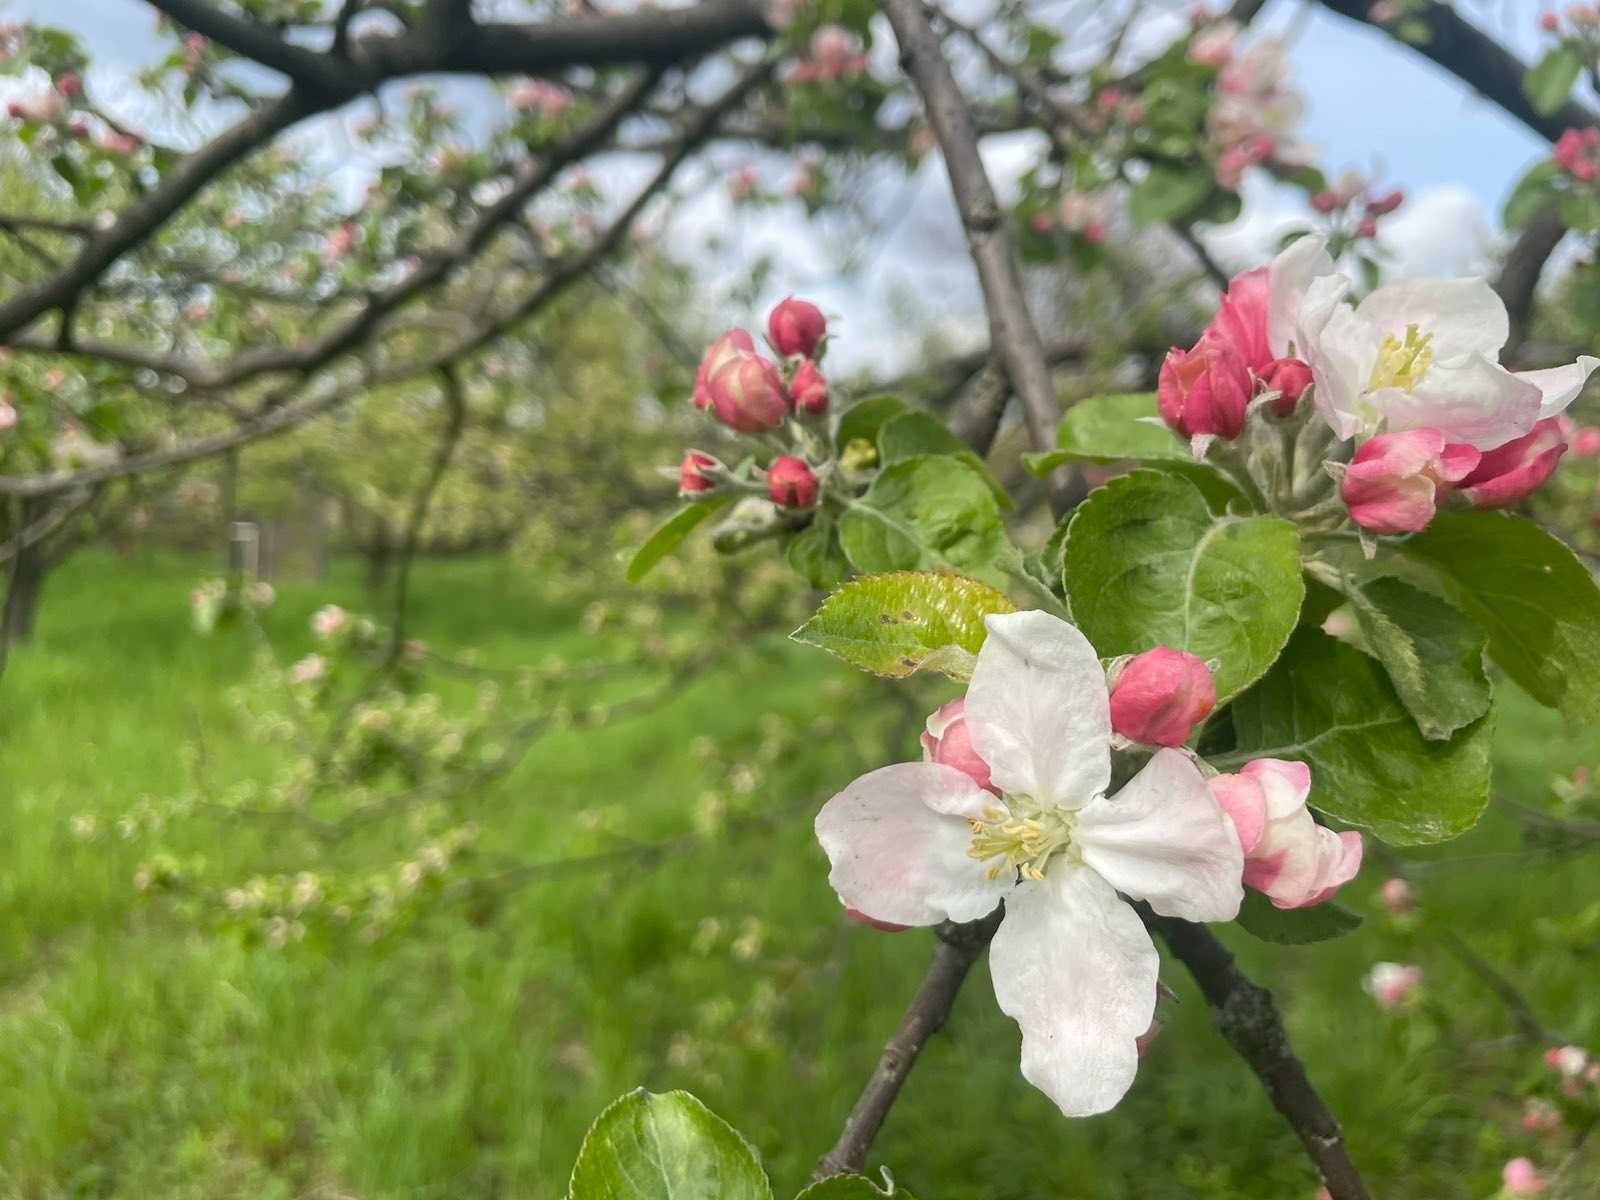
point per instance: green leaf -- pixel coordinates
(1580, 211)
(1332, 707)
(1539, 604)
(1108, 429)
(914, 434)
(669, 536)
(1294, 926)
(815, 555)
(927, 514)
(1433, 654)
(1533, 191)
(896, 624)
(862, 421)
(1148, 564)
(852, 1187)
(655, 1146)
(1549, 81)
(1169, 191)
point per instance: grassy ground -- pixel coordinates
(143, 1054)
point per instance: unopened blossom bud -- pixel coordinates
(809, 390)
(861, 918)
(1159, 696)
(1397, 897)
(1393, 484)
(1572, 155)
(1392, 984)
(791, 483)
(69, 84)
(1583, 14)
(1290, 378)
(1520, 1177)
(308, 670)
(796, 327)
(945, 741)
(1549, 22)
(692, 473)
(1510, 472)
(1586, 441)
(1204, 391)
(747, 393)
(1540, 1116)
(1288, 857)
(1325, 201)
(719, 352)
(1368, 228)
(1567, 1061)
(1213, 46)
(1384, 205)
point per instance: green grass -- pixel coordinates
(145, 1053)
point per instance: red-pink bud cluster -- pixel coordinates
(1577, 152)
(834, 54)
(694, 473)
(791, 483)
(1158, 697)
(796, 327)
(1397, 480)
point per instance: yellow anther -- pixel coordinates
(1402, 364)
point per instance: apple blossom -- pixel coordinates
(1521, 1178)
(861, 918)
(791, 483)
(692, 473)
(1158, 697)
(1396, 480)
(921, 843)
(309, 669)
(742, 183)
(1507, 473)
(1288, 857)
(747, 393)
(1549, 22)
(796, 327)
(1540, 1116)
(1204, 391)
(1392, 984)
(945, 740)
(1567, 1061)
(809, 390)
(1255, 317)
(1574, 153)
(328, 621)
(1420, 353)
(1397, 897)
(719, 352)
(1213, 45)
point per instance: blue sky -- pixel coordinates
(1371, 105)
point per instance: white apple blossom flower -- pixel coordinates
(1420, 354)
(921, 843)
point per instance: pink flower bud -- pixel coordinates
(1392, 984)
(1367, 229)
(1384, 205)
(69, 85)
(1521, 1178)
(1160, 696)
(308, 670)
(1507, 473)
(1204, 391)
(796, 327)
(328, 620)
(719, 352)
(1397, 897)
(747, 393)
(1290, 378)
(692, 473)
(1567, 1061)
(1586, 441)
(194, 43)
(861, 918)
(1325, 201)
(945, 740)
(1540, 1116)
(1394, 483)
(1213, 46)
(809, 390)
(1292, 860)
(1549, 22)
(791, 483)
(1571, 154)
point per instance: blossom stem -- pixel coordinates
(1245, 1014)
(960, 946)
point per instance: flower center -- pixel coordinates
(1402, 364)
(1022, 834)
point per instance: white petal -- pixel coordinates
(897, 839)
(1560, 385)
(1465, 316)
(1288, 278)
(1341, 349)
(1074, 967)
(1038, 712)
(1474, 400)
(1165, 839)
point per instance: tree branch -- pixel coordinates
(1245, 1015)
(960, 946)
(1524, 264)
(260, 43)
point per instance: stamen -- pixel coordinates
(1402, 364)
(1023, 837)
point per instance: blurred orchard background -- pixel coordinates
(365, 829)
